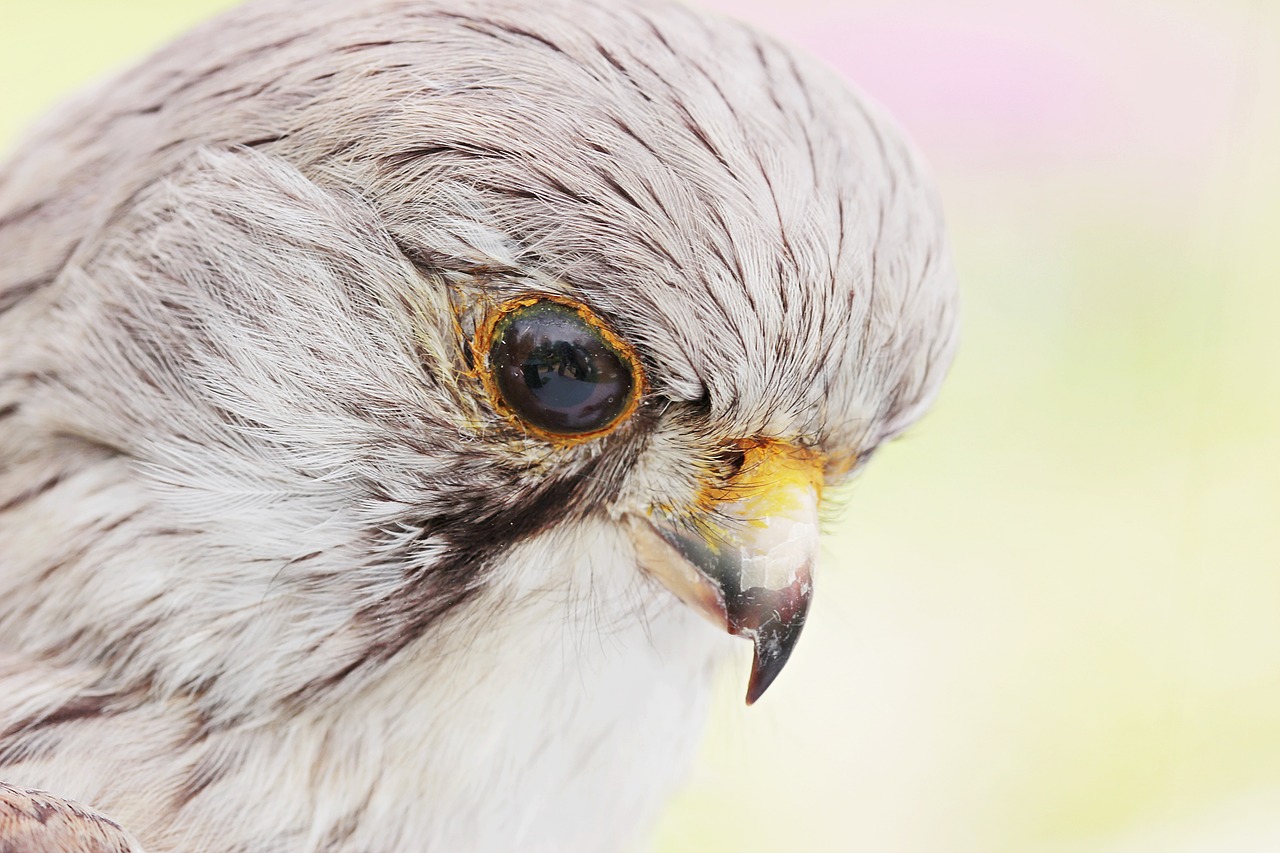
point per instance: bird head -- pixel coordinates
(363, 321)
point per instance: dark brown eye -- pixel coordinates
(558, 368)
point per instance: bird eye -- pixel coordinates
(557, 367)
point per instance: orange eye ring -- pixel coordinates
(555, 369)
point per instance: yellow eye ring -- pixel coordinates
(556, 369)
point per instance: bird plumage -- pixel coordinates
(275, 572)
(36, 822)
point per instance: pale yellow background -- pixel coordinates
(1049, 618)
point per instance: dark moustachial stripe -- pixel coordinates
(476, 536)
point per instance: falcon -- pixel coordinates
(405, 405)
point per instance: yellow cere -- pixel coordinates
(776, 480)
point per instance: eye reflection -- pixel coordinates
(558, 369)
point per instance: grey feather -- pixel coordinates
(259, 522)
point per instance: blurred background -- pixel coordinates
(1049, 618)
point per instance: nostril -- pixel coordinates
(732, 458)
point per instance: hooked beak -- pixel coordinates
(748, 566)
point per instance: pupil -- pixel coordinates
(557, 372)
(559, 375)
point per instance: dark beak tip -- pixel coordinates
(770, 615)
(772, 651)
(760, 681)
